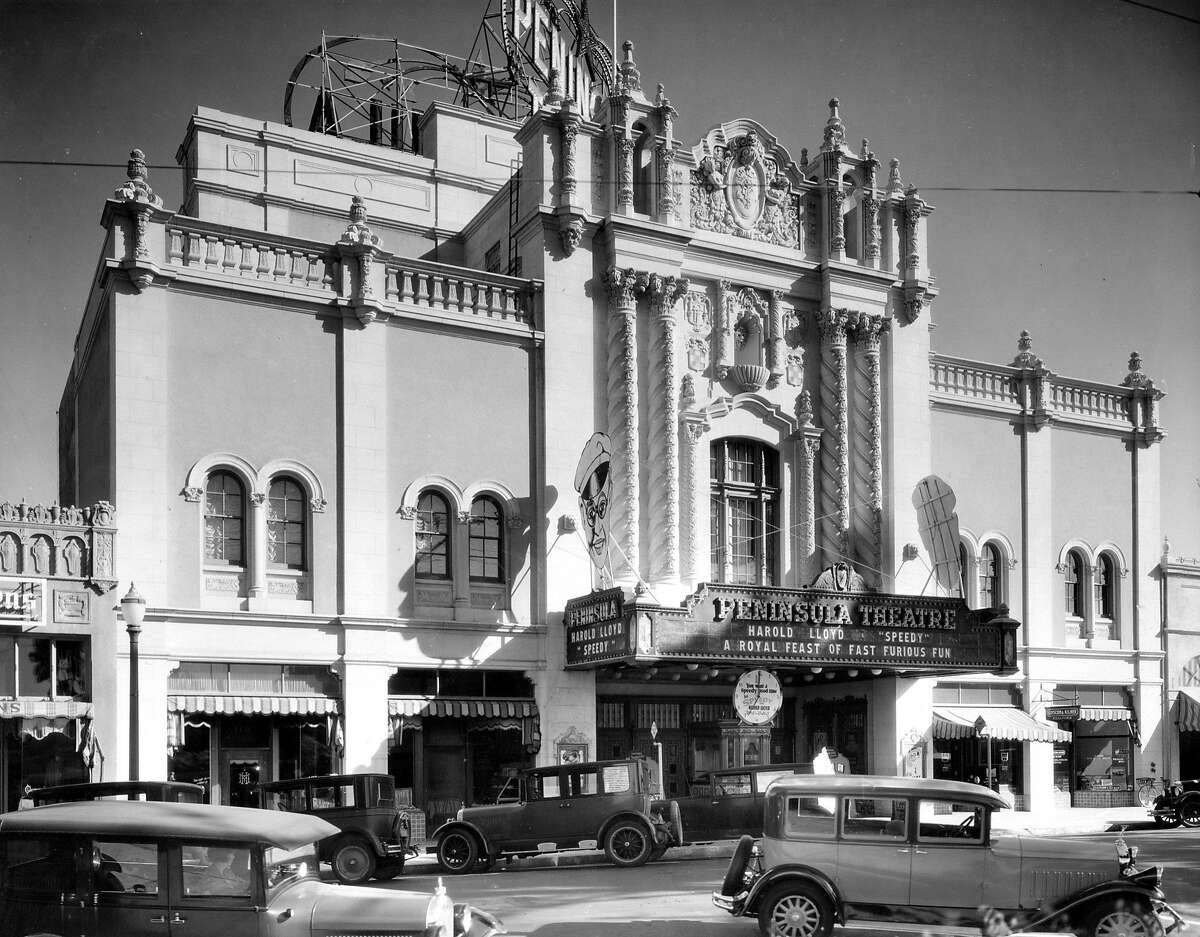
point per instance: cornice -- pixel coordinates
(475, 117)
(196, 616)
(1087, 654)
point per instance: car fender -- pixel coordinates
(653, 826)
(468, 826)
(329, 846)
(794, 873)
(1085, 898)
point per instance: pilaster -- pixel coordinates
(835, 456)
(364, 702)
(623, 287)
(807, 446)
(664, 430)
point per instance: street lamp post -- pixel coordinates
(133, 610)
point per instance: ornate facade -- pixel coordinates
(347, 454)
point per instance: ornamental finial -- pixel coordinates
(895, 183)
(137, 188)
(554, 95)
(1025, 357)
(1136, 376)
(835, 130)
(358, 231)
(631, 78)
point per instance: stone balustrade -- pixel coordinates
(442, 287)
(973, 380)
(272, 260)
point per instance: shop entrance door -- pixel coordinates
(242, 770)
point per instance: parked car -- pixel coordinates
(179, 792)
(1179, 803)
(372, 834)
(842, 847)
(597, 804)
(728, 803)
(147, 869)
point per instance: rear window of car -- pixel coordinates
(945, 820)
(732, 783)
(807, 818)
(616, 779)
(879, 818)
(35, 865)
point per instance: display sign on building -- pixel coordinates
(757, 697)
(1062, 713)
(22, 600)
(596, 628)
(792, 627)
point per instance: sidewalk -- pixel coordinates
(1065, 821)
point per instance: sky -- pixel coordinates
(976, 98)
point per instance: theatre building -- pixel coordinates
(341, 397)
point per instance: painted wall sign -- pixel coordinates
(757, 697)
(596, 628)
(1062, 713)
(22, 600)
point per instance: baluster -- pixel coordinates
(210, 250)
(193, 249)
(406, 286)
(280, 270)
(247, 263)
(228, 260)
(314, 270)
(297, 271)
(467, 299)
(263, 269)
(436, 297)
(175, 250)
(390, 275)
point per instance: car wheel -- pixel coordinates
(795, 910)
(1188, 811)
(386, 871)
(457, 852)
(353, 862)
(628, 844)
(1123, 918)
(732, 883)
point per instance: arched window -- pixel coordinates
(1106, 587)
(1074, 584)
(744, 543)
(286, 523)
(224, 520)
(433, 537)
(643, 169)
(990, 587)
(486, 548)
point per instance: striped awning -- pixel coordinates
(1187, 709)
(1105, 713)
(993, 722)
(461, 707)
(254, 705)
(45, 709)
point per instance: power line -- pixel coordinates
(1146, 6)
(1078, 190)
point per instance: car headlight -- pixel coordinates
(439, 914)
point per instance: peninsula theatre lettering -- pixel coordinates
(861, 631)
(833, 613)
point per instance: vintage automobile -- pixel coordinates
(180, 792)
(372, 838)
(843, 847)
(727, 803)
(588, 805)
(1178, 803)
(153, 869)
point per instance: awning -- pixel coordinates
(993, 722)
(254, 705)
(1105, 713)
(45, 709)
(1187, 709)
(407, 712)
(460, 707)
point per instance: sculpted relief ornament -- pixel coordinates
(740, 188)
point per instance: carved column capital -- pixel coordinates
(623, 285)
(832, 325)
(664, 292)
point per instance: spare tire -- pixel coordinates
(732, 883)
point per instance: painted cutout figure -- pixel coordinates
(593, 481)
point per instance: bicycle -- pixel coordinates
(1150, 789)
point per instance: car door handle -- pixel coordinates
(920, 852)
(903, 851)
(161, 919)
(177, 918)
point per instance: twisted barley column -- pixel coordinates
(868, 452)
(664, 428)
(623, 287)
(835, 459)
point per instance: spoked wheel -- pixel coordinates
(628, 844)
(457, 852)
(795, 911)
(1188, 811)
(353, 862)
(1123, 918)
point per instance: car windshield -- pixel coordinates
(284, 866)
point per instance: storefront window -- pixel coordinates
(1102, 763)
(190, 761)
